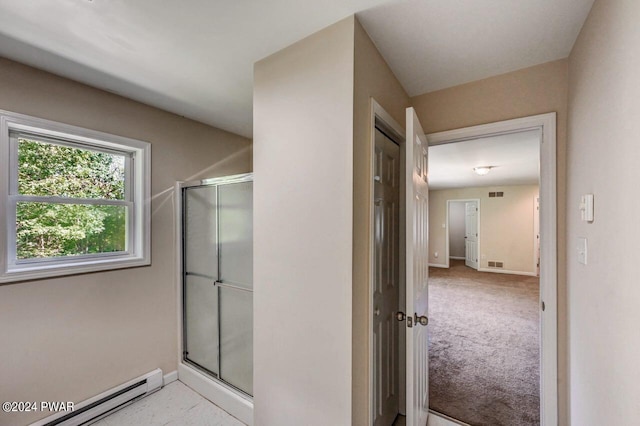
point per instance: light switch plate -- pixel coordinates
(586, 208)
(582, 250)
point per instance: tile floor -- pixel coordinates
(173, 405)
(178, 405)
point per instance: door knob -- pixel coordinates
(400, 316)
(422, 320)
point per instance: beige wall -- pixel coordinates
(526, 92)
(604, 153)
(373, 79)
(70, 338)
(303, 226)
(310, 84)
(506, 225)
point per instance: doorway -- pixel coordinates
(463, 231)
(408, 354)
(543, 304)
(386, 292)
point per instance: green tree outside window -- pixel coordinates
(65, 229)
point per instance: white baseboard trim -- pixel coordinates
(437, 265)
(506, 271)
(170, 377)
(230, 401)
(456, 257)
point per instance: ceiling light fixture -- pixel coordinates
(483, 170)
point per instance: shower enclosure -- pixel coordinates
(217, 280)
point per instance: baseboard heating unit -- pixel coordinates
(93, 409)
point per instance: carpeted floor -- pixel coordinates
(484, 351)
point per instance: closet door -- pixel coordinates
(417, 272)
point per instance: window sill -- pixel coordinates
(53, 270)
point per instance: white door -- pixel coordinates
(417, 271)
(386, 279)
(471, 234)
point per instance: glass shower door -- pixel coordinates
(200, 229)
(218, 281)
(235, 260)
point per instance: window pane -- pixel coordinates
(54, 230)
(47, 169)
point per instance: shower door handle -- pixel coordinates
(233, 286)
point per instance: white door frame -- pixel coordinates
(548, 242)
(377, 111)
(446, 241)
(536, 232)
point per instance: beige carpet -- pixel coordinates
(484, 351)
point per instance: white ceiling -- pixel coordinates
(514, 157)
(434, 44)
(195, 57)
(191, 57)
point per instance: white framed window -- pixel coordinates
(73, 200)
